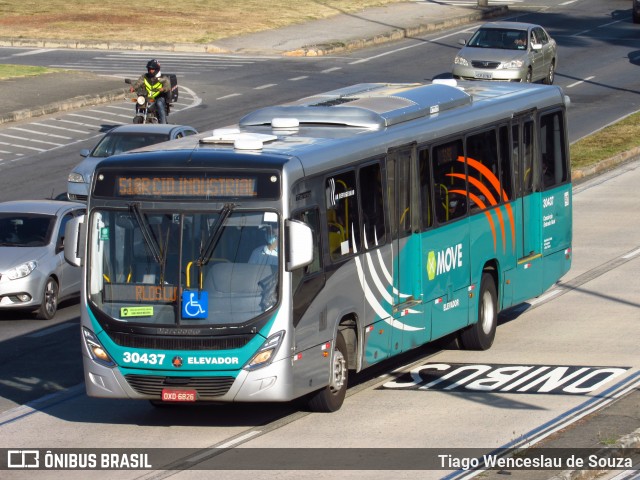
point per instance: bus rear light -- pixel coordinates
(567, 253)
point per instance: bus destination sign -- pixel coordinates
(185, 187)
(171, 184)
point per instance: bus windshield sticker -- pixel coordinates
(145, 311)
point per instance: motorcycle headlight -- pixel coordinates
(461, 61)
(21, 271)
(141, 100)
(75, 177)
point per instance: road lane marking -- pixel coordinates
(229, 96)
(66, 129)
(631, 254)
(23, 146)
(40, 133)
(580, 81)
(16, 137)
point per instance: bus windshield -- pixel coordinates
(165, 268)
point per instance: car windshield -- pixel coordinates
(166, 268)
(500, 38)
(115, 143)
(25, 229)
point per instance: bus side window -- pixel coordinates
(554, 171)
(450, 181)
(506, 181)
(527, 157)
(426, 211)
(482, 160)
(372, 205)
(343, 222)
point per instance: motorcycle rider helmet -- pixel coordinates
(153, 68)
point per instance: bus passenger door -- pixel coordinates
(526, 281)
(409, 321)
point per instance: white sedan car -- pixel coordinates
(508, 51)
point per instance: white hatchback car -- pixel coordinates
(33, 272)
(507, 51)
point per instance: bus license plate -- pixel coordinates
(178, 395)
(483, 75)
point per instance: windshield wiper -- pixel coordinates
(146, 233)
(212, 241)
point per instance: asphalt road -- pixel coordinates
(591, 322)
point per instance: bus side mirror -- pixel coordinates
(299, 244)
(73, 241)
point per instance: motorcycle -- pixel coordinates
(146, 111)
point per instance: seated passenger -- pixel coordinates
(267, 254)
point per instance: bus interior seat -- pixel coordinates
(337, 233)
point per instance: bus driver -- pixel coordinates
(267, 254)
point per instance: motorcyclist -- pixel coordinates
(157, 87)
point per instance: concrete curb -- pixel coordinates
(626, 443)
(396, 34)
(110, 45)
(65, 105)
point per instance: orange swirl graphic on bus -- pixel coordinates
(484, 190)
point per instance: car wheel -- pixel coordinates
(49, 304)
(636, 17)
(551, 75)
(527, 79)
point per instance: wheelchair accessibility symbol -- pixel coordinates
(195, 304)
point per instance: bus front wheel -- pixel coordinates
(331, 397)
(480, 335)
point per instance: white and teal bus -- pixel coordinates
(264, 262)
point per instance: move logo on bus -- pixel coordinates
(444, 261)
(455, 377)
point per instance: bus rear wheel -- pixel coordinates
(331, 397)
(480, 335)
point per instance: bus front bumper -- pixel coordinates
(268, 384)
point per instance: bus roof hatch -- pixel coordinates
(367, 105)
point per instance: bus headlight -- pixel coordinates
(96, 350)
(267, 352)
